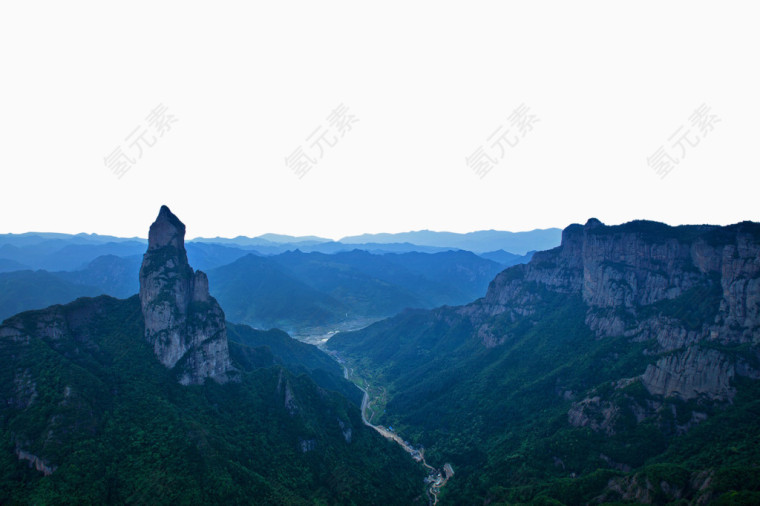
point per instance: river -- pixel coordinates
(436, 478)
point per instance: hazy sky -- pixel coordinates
(603, 85)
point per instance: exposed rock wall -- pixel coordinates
(183, 323)
(627, 275)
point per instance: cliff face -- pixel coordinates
(684, 288)
(642, 263)
(183, 323)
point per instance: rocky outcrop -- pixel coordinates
(25, 391)
(183, 323)
(688, 293)
(687, 488)
(672, 286)
(345, 430)
(691, 374)
(307, 445)
(289, 400)
(594, 413)
(34, 461)
(640, 264)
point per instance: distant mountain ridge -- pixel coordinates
(297, 291)
(506, 258)
(67, 252)
(292, 290)
(479, 242)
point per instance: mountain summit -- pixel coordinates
(183, 323)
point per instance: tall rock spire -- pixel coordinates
(183, 323)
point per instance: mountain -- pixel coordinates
(478, 242)
(65, 254)
(262, 246)
(111, 275)
(458, 276)
(7, 265)
(24, 290)
(361, 281)
(182, 321)
(280, 238)
(374, 248)
(291, 290)
(266, 348)
(423, 241)
(297, 290)
(89, 415)
(206, 256)
(507, 259)
(620, 366)
(145, 400)
(257, 291)
(31, 238)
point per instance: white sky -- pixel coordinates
(429, 82)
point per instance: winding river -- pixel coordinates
(436, 478)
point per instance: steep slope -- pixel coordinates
(449, 277)
(266, 348)
(596, 359)
(257, 291)
(363, 282)
(90, 415)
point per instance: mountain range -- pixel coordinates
(298, 290)
(621, 366)
(65, 252)
(292, 290)
(479, 242)
(618, 367)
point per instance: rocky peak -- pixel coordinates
(185, 325)
(167, 230)
(592, 223)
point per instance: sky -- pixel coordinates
(342, 118)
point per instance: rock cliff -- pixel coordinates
(679, 287)
(183, 323)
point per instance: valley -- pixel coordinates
(620, 366)
(612, 361)
(437, 478)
